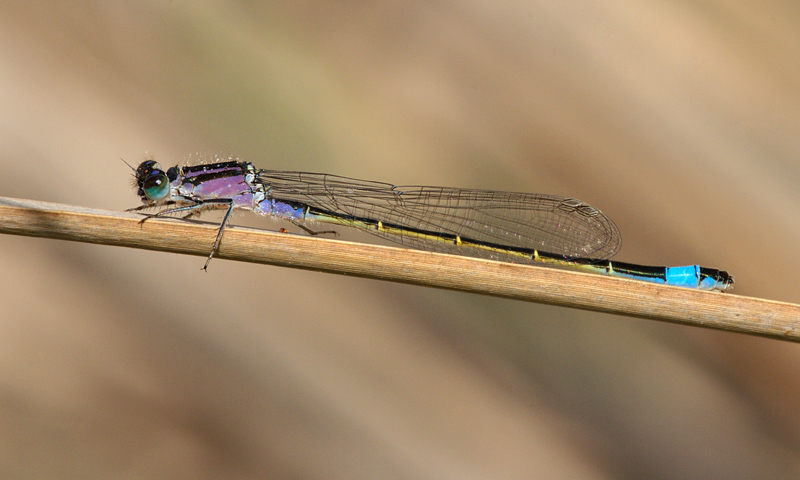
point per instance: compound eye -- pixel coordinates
(156, 185)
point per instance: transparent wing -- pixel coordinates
(558, 225)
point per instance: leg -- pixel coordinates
(219, 233)
(192, 209)
(312, 232)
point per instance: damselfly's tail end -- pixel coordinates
(712, 279)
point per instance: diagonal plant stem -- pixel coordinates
(532, 283)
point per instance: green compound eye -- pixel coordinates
(156, 186)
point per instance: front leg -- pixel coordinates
(192, 209)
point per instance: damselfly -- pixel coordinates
(505, 226)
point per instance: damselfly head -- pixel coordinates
(153, 182)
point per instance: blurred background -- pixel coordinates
(680, 120)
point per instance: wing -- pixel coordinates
(558, 225)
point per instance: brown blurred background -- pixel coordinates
(680, 120)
